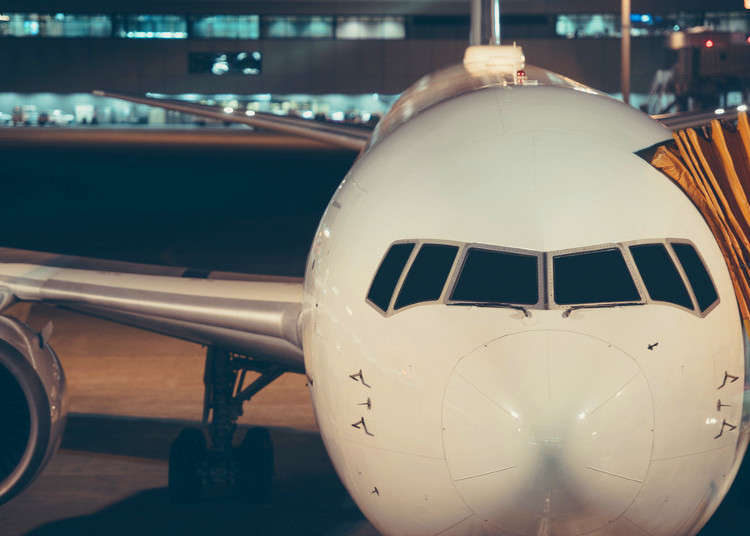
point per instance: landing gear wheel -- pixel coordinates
(186, 455)
(255, 466)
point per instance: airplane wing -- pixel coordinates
(251, 315)
(351, 136)
(346, 136)
(683, 120)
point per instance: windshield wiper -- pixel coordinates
(521, 308)
(570, 309)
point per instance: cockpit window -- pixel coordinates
(660, 275)
(593, 277)
(388, 274)
(639, 272)
(703, 287)
(427, 276)
(498, 276)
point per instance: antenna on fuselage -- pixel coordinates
(485, 22)
(485, 54)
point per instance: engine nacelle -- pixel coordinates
(33, 405)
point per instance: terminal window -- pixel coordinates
(151, 26)
(55, 25)
(226, 27)
(221, 63)
(296, 27)
(370, 28)
(604, 25)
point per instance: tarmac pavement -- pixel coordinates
(131, 392)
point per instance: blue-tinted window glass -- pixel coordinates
(703, 287)
(220, 63)
(732, 21)
(151, 26)
(660, 275)
(427, 275)
(370, 28)
(57, 25)
(498, 276)
(580, 25)
(388, 274)
(298, 27)
(593, 277)
(227, 27)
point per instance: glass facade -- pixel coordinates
(370, 28)
(80, 108)
(226, 27)
(57, 25)
(647, 24)
(298, 27)
(735, 21)
(220, 63)
(151, 26)
(572, 26)
(144, 26)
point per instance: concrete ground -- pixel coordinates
(131, 392)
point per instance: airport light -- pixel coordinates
(709, 43)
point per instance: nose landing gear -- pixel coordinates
(201, 466)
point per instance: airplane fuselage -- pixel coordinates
(538, 418)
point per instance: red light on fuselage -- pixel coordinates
(709, 43)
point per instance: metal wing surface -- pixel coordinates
(346, 136)
(682, 120)
(252, 315)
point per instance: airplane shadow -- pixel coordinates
(308, 497)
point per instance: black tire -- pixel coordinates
(255, 466)
(186, 455)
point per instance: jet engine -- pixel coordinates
(32, 405)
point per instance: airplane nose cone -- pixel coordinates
(548, 432)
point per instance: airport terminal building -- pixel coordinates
(366, 50)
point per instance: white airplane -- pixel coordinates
(511, 324)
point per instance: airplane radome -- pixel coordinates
(548, 401)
